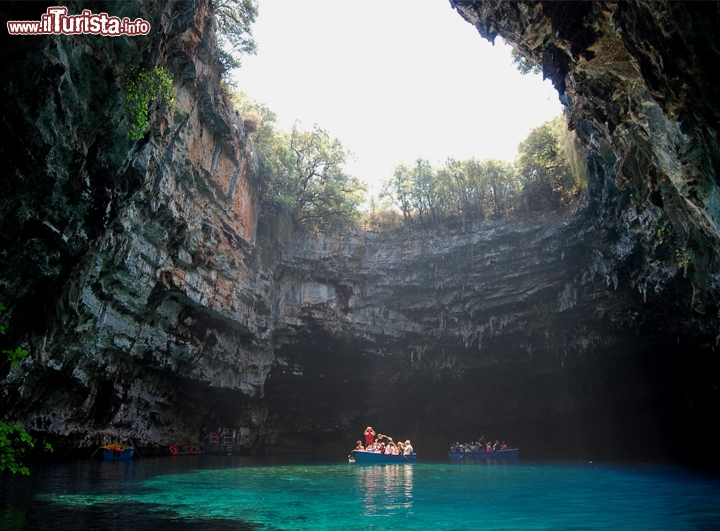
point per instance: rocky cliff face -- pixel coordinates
(130, 266)
(637, 82)
(134, 273)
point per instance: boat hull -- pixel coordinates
(500, 454)
(373, 458)
(115, 455)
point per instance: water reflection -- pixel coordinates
(486, 462)
(385, 488)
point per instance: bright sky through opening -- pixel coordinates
(393, 80)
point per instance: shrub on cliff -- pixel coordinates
(142, 88)
(14, 439)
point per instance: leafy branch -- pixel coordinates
(141, 89)
(14, 439)
(234, 18)
(15, 356)
(524, 65)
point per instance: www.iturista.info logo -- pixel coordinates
(56, 21)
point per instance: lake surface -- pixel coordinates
(240, 493)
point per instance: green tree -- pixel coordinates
(455, 191)
(477, 187)
(309, 180)
(399, 189)
(416, 190)
(426, 191)
(501, 183)
(234, 20)
(544, 166)
(523, 65)
(302, 171)
(265, 127)
(549, 172)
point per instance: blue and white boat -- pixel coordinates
(510, 453)
(363, 457)
(118, 452)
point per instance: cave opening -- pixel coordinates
(554, 331)
(393, 84)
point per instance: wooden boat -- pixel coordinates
(374, 458)
(510, 453)
(117, 451)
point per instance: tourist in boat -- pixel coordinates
(488, 447)
(496, 446)
(401, 448)
(369, 435)
(360, 447)
(408, 449)
(504, 446)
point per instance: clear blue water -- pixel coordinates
(242, 493)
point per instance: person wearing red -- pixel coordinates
(369, 436)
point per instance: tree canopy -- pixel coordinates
(303, 177)
(542, 178)
(544, 166)
(523, 65)
(302, 171)
(234, 19)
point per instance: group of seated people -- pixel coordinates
(383, 444)
(480, 446)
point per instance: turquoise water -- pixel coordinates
(179, 493)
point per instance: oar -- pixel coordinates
(406, 459)
(136, 450)
(96, 449)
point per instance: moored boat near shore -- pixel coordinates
(118, 452)
(510, 453)
(365, 457)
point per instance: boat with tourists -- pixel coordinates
(510, 453)
(362, 457)
(382, 450)
(117, 452)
